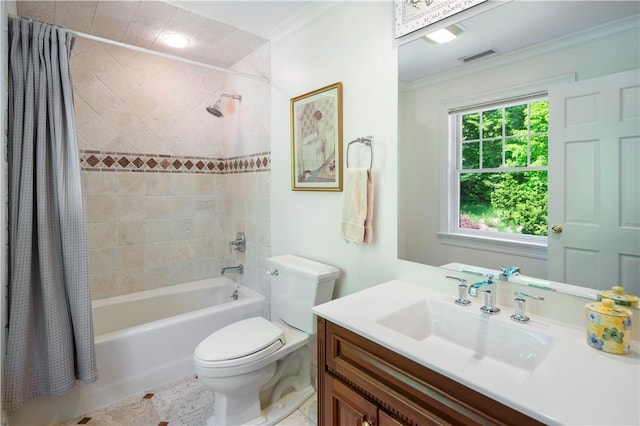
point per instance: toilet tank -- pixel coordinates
(298, 285)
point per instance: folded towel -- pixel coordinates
(357, 206)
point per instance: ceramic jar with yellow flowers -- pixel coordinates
(608, 323)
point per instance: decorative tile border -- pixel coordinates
(160, 163)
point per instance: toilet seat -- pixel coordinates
(240, 343)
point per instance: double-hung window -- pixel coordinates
(499, 170)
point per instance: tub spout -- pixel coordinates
(239, 269)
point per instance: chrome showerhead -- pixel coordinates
(216, 109)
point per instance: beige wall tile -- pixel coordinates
(205, 184)
(159, 183)
(83, 112)
(98, 132)
(130, 280)
(182, 206)
(98, 96)
(163, 228)
(182, 228)
(181, 251)
(157, 276)
(97, 58)
(103, 285)
(82, 74)
(205, 226)
(132, 208)
(181, 273)
(157, 230)
(182, 183)
(101, 183)
(131, 257)
(132, 183)
(102, 261)
(102, 235)
(205, 205)
(158, 206)
(205, 268)
(132, 232)
(158, 254)
(102, 209)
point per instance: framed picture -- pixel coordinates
(411, 15)
(316, 140)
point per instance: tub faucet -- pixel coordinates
(473, 288)
(508, 272)
(239, 269)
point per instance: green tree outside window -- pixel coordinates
(502, 172)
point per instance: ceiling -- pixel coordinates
(263, 18)
(223, 32)
(510, 26)
(213, 40)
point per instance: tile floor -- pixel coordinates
(183, 403)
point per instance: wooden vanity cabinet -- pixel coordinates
(363, 383)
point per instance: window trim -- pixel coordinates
(523, 245)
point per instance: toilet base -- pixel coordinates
(277, 411)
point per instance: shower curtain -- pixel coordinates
(50, 331)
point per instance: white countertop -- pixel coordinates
(573, 383)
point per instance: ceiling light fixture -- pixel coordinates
(174, 40)
(444, 35)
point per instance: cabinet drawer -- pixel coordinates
(409, 391)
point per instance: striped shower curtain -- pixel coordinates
(50, 331)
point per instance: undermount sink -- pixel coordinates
(431, 321)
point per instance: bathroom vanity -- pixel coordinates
(364, 383)
(400, 353)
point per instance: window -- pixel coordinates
(500, 171)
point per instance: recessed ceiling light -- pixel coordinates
(174, 40)
(444, 35)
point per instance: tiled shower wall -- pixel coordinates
(163, 195)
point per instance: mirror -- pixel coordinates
(531, 42)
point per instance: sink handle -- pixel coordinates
(462, 291)
(521, 306)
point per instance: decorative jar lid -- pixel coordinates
(609, 307)
(618, 295)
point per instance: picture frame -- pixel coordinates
(316, 140)
(412, 15)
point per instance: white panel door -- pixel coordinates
(594, 182)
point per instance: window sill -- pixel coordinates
(518, 248)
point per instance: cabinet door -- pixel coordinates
(346, 407)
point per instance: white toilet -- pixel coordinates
(259, 370)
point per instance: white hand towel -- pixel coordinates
(357, 206)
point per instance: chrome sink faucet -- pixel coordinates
(473, 288)
(508, 272)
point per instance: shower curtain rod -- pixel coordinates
(161, 54)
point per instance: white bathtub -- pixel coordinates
(146, 339)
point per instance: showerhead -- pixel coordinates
(216, 109)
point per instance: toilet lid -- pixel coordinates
(241, 342)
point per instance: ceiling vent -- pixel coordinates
(470, 58)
